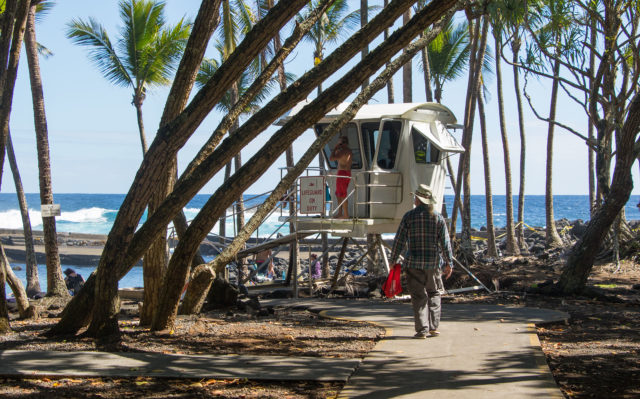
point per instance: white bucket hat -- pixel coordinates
(423, 193)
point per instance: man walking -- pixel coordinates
(423, 234)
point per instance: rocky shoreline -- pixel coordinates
(85, 249)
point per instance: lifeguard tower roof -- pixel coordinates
(414, 111)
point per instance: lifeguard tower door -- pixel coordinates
(385, 180)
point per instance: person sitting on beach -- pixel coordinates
(343, 154)
(316, 267)
(263, 257)
(74, 281)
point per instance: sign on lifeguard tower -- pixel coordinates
(312, 194)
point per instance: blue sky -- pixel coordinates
(95, 147)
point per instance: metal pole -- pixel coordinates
(471, 274)
(383, 254)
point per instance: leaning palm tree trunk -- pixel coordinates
(33, 282)
(278, 143)
(155, 261)
(55, 283)
(5, 327)
(24, 308)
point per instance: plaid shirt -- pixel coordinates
(423, 233)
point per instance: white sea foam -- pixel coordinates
(85, 215)
(11, 219)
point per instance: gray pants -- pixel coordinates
(425, 287)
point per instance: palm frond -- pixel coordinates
(43, 51)
(142, 21)
(43, 8)
(228, 29)
(160, 59)
(208, 67)
(449, 53)
(101, 53)
(248, 18)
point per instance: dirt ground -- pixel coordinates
(594, 355)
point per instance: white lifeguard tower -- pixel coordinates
(395, 148)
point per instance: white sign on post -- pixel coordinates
(312, 194)
(50, 210)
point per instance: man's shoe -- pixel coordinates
(434, 333)
(420, 335)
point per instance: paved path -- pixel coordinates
(130, 364)
(484, 351)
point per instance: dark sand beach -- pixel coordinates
(74, 248)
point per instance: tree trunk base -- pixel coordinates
(197, 290)
(5, 327)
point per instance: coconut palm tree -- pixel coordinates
(145, 54)
(513, 14)
(554, 37)
(447, 59)
(477, 63)
(497, 24)
(55, 282)
(334, 25)
(448, 56)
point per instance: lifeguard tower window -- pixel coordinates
(423, 150)
(388, 147)
(351, 132)
(370, 138)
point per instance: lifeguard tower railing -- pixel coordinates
(368, 191)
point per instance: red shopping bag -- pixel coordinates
(392, 286)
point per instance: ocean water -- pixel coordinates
(95, 214)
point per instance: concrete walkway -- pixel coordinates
(484, 351)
